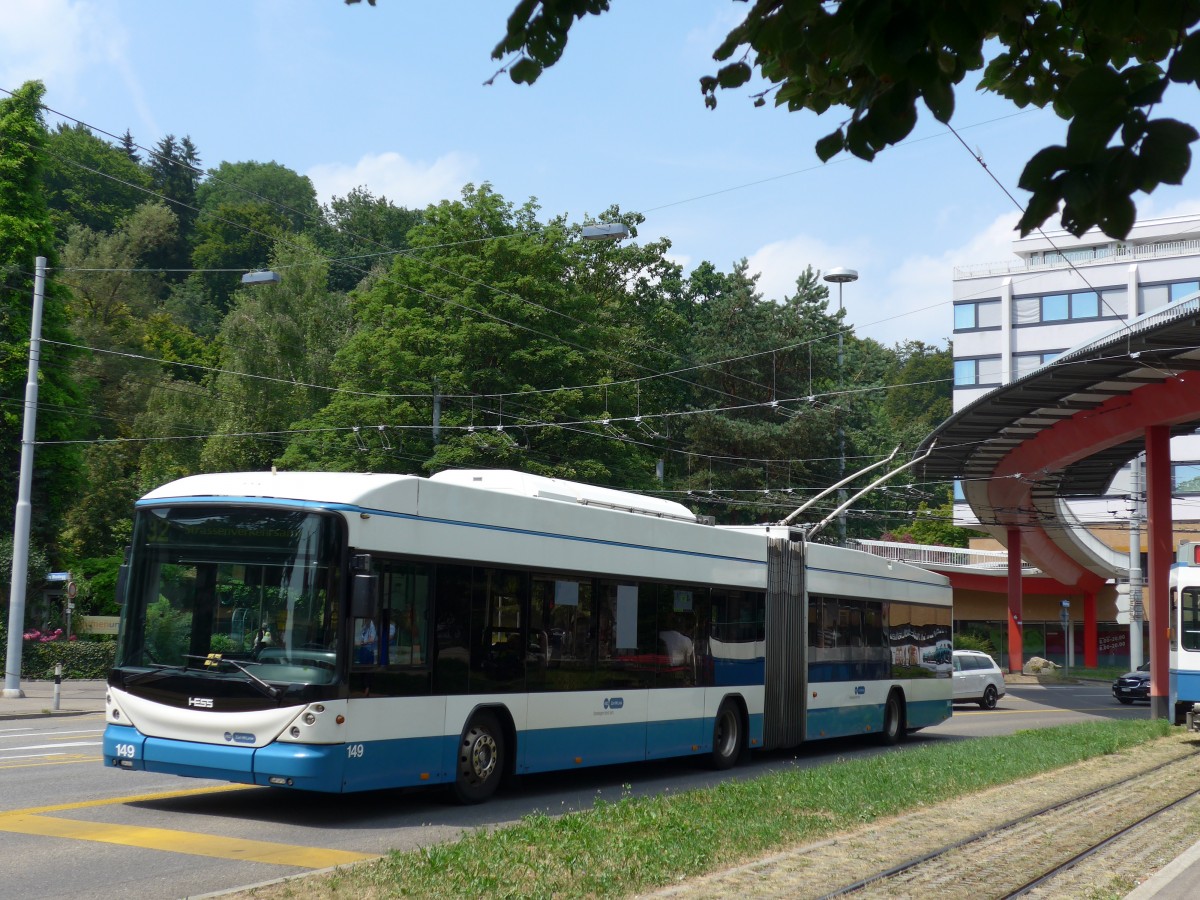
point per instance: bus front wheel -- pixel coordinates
(480, 760)
(727, 736)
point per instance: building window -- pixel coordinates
(1185, 478)
(1024, 363)
(979, 371)
(977, 315)
(1156, 296)
(1068, 307)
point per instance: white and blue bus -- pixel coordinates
(347, 632)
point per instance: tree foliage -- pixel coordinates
(27, 232)
(475, 332)
(1101, 65)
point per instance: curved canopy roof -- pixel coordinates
(1065, 430)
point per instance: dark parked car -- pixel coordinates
(1133, 685)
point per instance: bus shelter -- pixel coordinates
(1063, 432)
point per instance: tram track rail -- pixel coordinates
(1094, 829)
(1030, 851)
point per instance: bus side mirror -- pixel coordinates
(363, 602)
(122, 580)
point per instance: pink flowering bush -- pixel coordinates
(34, 635)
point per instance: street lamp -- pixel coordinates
(265, 277)
(839, 277)
(606, 231)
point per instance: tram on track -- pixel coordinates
(1184, 648)
(345, 632)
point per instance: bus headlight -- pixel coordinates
(295, 731)
(309, 718)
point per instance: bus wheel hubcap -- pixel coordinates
(482, 758)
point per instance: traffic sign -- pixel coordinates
(58, 576)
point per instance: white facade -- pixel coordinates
(1061, 291)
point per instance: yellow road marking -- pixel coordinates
(187, 842)
(67, 761)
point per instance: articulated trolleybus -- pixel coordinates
(348, 632)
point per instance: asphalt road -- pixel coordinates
(76, 829)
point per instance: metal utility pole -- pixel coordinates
(1135, 563)
(840, 277)
(20, 560)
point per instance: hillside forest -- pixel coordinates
(480, 332)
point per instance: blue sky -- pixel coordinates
(393, 97)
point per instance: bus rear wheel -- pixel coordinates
(480, 764)
(727, 736)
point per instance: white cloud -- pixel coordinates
(67, 44)
(402, 181)
(780, 263)
(892, 300)
(1148, 208)
(919, 292)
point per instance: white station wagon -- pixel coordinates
(977, 679)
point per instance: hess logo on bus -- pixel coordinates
(200, 702)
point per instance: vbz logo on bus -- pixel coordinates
(860, 690)
(614, 702)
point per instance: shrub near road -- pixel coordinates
(638, 843)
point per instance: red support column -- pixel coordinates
(1159, 538)
(1016, 659)
(1091, 642)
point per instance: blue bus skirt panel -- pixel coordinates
(549, 749)
(923, 713)
(314, 768)
(123, 747)
(843, 721)
(373, 765)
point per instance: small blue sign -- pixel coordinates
(58, 576)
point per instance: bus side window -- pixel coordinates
(406, 612)
(1190, 624)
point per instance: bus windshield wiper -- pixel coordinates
(269, 689)
(160, 670)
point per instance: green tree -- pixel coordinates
(174, 174)
(488, 312)
(922, 396)
(89, 182)
(244, 208)
(26, 232)
(934, 526)
(1102, 65)
(277, 346)
(111, 308)
(357, 232)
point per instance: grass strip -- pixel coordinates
(639, 843)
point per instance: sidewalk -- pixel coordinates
(75, 698)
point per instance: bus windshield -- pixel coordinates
(243, 593)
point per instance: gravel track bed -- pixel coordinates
(1005, 861)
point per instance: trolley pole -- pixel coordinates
(20, 560)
